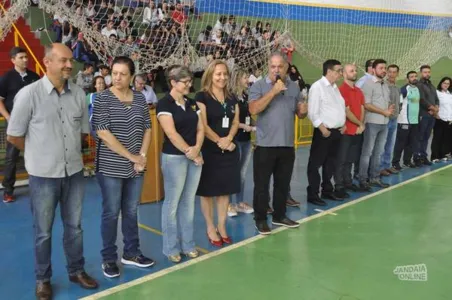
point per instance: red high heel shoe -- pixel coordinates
(218, 244)
(226, 240)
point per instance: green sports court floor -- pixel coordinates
(393, 244)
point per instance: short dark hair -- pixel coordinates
(124, 60)
(86, 66)
(377, 62)
(16, 50)
(393, 66)
(409, 73)
(329, 65)
(368, 63)
(425, 67)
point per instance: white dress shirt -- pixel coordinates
(445, 106)
(326, 105)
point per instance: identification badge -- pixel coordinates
(248, 121)
(225, 122)
(405, 127)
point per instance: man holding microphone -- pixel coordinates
(275, 100)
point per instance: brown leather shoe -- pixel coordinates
(384, 173)
(44, 291)
(84, 280)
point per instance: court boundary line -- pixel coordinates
(253, 239)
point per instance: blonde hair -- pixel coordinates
(234, 85)
(206, 80)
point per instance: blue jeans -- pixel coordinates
(426, 124)
(245, 158)
(373, 146)
(181, 178)
(386, 157)
(45, 194)
(119, 195)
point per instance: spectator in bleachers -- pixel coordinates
(101, 15)
(90, 11)
(104, 71)
(189, 6)
(219, 25)
(231, 26)
(258, 30)
(178, 15)
(84, 79)
(181, 163)
(81, 51)
(123, 31)
(151, 15)
(139, 85)
(120, 163)
(109, 29)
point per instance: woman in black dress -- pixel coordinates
(220, 175)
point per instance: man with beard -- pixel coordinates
(378, 111)
(326, 110)
(350, 145)
(428, 110)
(48, 121)
(394, 95)
(408, 128)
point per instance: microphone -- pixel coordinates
(278, 78)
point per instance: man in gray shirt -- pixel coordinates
(275, 100)
(48, 120)
(386, 168)
(378, 111)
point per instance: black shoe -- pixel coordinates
(286, 222)
(352, 187)
(410, 165)
(378, 183)
(138, 261)
(330, 196)
(341, 194)
(397, 166)
(111, 270)
(317, 201)
(292, 203)
(364, 187)
(426, 162)
(262, 227)
(417, 164)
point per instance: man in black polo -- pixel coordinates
(10, 84)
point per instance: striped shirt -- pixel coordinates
(127, 123)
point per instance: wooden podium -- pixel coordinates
(153, 180)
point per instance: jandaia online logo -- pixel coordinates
(411, 272)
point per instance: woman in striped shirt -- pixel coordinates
(123, 127)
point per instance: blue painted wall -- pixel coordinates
(321, 14)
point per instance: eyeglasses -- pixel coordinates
(187, 82)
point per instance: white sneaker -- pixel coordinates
(232, 211)
(244, 207)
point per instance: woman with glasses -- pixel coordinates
(181, 163)
(123, 128)
(220, 175)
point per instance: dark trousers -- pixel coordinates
(268, 161)
(407, 141)
(11, 159)
(323, 154)
(349, 152)
(442, 139)
(426, 125)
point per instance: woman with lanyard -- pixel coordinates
(220, 175)
(123, 128)
(238, 87)
(181, 163)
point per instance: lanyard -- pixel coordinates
(224, 104)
